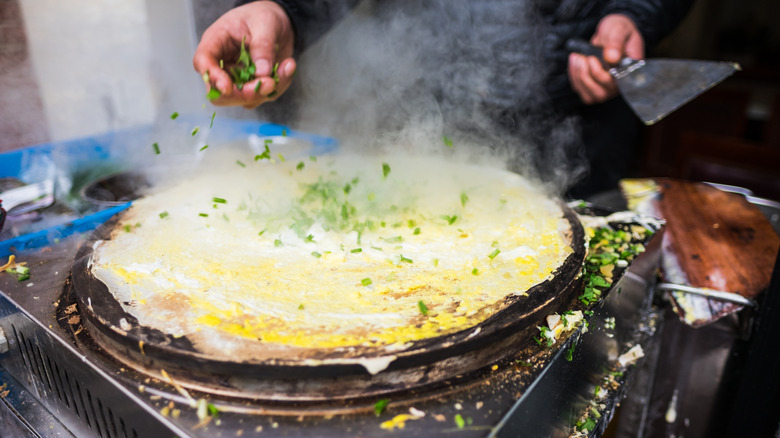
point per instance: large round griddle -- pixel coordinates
(324, 374)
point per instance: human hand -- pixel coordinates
(619, 37)
(269, 39)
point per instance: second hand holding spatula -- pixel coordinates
(656, 87)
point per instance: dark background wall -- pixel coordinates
(731, 134)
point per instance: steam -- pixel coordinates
(399, 78)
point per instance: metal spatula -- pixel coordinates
(656, 87)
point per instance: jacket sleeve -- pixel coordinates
(655, 19)
(312, 18)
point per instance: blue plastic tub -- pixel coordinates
(108, 148)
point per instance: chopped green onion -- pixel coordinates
(416, 231)
(205, 146)
(281, 157)
(240, 163)
(475, 271)
(366, 281)
(300, 306)
(300, 166)
(423, 308)
(261, 232)
(213, 94)
(450, 219)
(277, 243)
(309, 238)
(447, 141)
(356, 250)
(313, 158)
(284, 131)
(464, 198)
(220, 200)
(213, 411)
(435, 262)
(259, 84)
(156, 148)
(459, 421)
(395, 239)
(266, 155)
(203, 214)
(244, 70)
(493, 254)
(163, 215)
(385, 170)
(406, 260)
(380, 406)
(211, 125)
(174, 116)
(316, 254)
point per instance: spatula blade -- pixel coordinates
(660, 86)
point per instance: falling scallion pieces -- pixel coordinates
(493, 254)
(464, 198)
(205, 146)
(266, 155)
(213, 94)
(300, 166)
(163, 215)
(366, 282)
(423, 308)
(385, 170)
(447, 141)
(174, 115)
(214, 114)
(277, 243)
(316, 254)
(240, 163)
(356, 250)
(203, 214)
(156, 148)
(219, 200)
(459, 421)
(475, 271)
(406, 259)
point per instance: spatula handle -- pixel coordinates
(577, 45)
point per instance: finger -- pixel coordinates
(577, 66)
(214, 46)
(262, 49)
(285, 74)
(596, 71)
(613, 34)
(635, 46)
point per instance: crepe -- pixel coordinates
(330, 252)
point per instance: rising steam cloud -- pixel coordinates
(398, 76)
